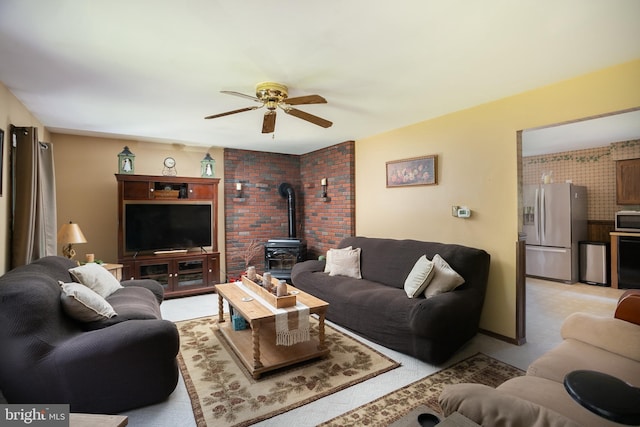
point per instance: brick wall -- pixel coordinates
(327, 221)
(261, 213)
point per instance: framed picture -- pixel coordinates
(1, 157)
(415, 171)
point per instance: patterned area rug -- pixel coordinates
(393, 408)
(224, 394)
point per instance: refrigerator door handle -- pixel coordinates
(546, 249)
(543, 217)
(536, 213)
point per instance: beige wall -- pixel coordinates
(477, 162)
(12, 112)
(87, 190)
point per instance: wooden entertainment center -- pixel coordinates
(182, 272)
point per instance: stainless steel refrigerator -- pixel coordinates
(554, 220)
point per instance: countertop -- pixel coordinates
(625, 233)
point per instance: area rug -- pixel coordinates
(223, 393)
(392, 409)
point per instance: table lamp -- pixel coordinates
(68, 235)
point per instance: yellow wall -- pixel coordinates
(87, 190)
(12, 112)
(477, 163)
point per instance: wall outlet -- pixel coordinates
(454, 210)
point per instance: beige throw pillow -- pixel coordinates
(83, 304)
(419, 277)
(97, 278)
(346, 263)
(329, 261)
(444, 280)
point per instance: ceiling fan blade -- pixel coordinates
(308, 99)
(242, 95)
(242, 110)
(269, 122)
(309, 117)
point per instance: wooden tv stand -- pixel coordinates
(181, 273)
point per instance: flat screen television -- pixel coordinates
(166, 226)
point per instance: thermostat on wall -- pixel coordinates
(464, 212)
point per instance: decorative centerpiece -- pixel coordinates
(276, 301)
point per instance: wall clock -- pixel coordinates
(169, 168)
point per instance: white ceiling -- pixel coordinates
(152, 69)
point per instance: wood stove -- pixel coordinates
(281, 254)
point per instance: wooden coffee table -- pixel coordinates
(256, 347)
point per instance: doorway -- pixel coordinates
(549, 147)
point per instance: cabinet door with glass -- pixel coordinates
(179, 276)
(158, 270)
(189, 273)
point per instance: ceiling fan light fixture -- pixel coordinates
(271, 90)
(271, 104)
(273, 95)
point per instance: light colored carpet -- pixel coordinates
(224, 394)
(397, 408)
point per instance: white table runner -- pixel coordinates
(287, 333)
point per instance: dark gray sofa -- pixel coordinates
(47, 357)
(378, 308)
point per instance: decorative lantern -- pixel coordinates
(207, 166)
(126, 161)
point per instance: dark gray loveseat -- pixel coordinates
(47, 357)
(378, 308)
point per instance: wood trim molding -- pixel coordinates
(521, 290)
(500, 337)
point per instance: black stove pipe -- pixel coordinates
(286, 190)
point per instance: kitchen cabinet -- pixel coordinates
(628, 182)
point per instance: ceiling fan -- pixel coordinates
(274, 95)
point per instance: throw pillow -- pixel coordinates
(83, 304)
(346, 263)
(96, 277)
(329, 261)
(419, 277)
(446, 278)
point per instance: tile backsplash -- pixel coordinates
(594, 168)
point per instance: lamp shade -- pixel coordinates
(71, 233)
